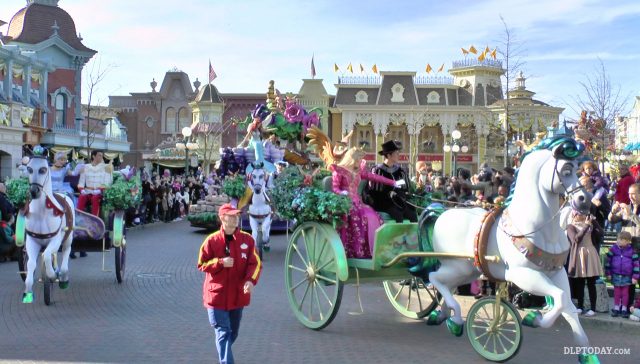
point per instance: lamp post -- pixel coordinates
(455, 147)
(186, 145)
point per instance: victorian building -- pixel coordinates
(41, 62)
(422, 112)
(155, 119)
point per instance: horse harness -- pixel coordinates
(66, 212)
(536, 255)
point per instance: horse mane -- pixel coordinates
(572, 149)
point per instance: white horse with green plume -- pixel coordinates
(527, 237)
(49, 221)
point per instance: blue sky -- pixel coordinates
(252, 42)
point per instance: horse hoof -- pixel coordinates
(266, 247)
(454, 328)
(63, 285)
(434, 318)
(588, 359)
(27, 297)
(532, 319)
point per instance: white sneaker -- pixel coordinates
(578, 311)
(589, 313)
(634, 318)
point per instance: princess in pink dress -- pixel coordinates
(359, 225)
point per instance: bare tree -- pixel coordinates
(94, 77)
(209, 137)
(603, 101)
(512, 51)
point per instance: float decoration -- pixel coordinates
(302, 197)
(123, 193)
(18, 191)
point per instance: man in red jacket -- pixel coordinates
(622, 189)
(232, 267)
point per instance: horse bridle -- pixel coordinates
(568, 192)
(51, 234)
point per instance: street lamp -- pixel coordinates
(455, 147)
(186, 145)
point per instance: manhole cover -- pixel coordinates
(153, 275)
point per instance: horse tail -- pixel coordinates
(426, 223)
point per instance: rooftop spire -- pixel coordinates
(43, 2)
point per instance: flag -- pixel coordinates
(464, 51)
(361, 68)
(487, 50)
(335, 67)
(212, 73)
(481, 57)
(350, 67)
(313, 68)
(493, 53)
(473, 50)
(428, 69)
(441, 68)
(374, 69)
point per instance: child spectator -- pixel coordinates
(622, 268)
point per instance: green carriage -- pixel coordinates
(316, 270)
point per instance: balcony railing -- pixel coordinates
(433, 80)
(475, 62)
(359, 80)
(66, 130)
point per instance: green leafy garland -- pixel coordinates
(18, 191)
(234, 186)
(203, 218)
(122, 194)
(293, 199)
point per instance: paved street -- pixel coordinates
(156, 316)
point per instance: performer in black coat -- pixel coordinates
(387, 198)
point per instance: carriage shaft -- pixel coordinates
(490, 258)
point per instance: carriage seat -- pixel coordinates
(328, 186)
(88, 226)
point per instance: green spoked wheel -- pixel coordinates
(315, 268)
(412, 297)
(494, 330)
(120, 254)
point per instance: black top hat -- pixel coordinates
(390, 146)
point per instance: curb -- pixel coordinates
(601, 320)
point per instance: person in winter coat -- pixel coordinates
(232, 267)
(622, 269)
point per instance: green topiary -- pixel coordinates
(18, 191)
(203, 218)
(122, 194)
(234, 186)
(294, 200)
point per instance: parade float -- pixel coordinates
(48, 225)
(520, 242)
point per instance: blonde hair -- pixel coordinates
(351, 158)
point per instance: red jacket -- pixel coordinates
(622, 190)
(224, 287)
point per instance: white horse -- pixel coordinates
(260, 211)
(530, 224)
(49, 224)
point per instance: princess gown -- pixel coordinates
(358, 228)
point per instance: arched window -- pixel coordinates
(61, 109)
(170, 120)
(183, 118)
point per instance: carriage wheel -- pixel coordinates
(412, 298)
(22, 263)
(46, 282)
(120, 256)
(315, 266)
(494, 330)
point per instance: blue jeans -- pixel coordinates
(226, 325)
